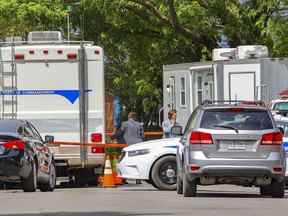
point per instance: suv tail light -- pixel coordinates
(197, 137)
(275, 138)
(96, 137)
(15, 144)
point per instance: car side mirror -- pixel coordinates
(281, 130)
(49, 139)
(176, 130)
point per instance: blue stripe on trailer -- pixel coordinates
(70, 95)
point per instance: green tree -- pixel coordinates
(18, 17)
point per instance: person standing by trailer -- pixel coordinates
(133, 131)
(169, 123)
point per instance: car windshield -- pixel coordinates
(236, 119)
(283, 125)
(281, 106)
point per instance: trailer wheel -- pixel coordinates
(85, 177)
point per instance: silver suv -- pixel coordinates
(235, 142)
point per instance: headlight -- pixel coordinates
(138, 152)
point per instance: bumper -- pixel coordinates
(134, 167)
(220, 167)
(130, 172)
(74, 160)
(69, 156)
(12, 168)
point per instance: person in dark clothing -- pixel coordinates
(132, 129)
(133, 132)
(118, 135)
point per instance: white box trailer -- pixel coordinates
(59, 86)
(185, 86)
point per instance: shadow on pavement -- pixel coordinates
(104, 213)
(228, 195)
(232, 195)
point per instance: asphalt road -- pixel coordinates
(140, 200)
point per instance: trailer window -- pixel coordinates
(182, 91)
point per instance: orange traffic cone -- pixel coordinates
(118, 179)
(108, 179)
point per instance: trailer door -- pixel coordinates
(242, 86)
(240, 81)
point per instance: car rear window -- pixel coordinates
(238, 118)
(281, 106)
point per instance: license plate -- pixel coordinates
(237, 146)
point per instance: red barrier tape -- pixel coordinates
(106, 145)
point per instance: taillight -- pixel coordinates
(19, 56)
(96, 150)
(197, 137)
(236, 109)
(71, 56)
(96, 137)
(275, 138)
(15, 144)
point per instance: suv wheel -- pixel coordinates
(277, 189)
(30, 183)
(179, 185)
(189, 187)
(265, 190)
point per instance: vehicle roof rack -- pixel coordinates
(234, 102)
(35, 43)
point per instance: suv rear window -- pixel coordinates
(238, 118)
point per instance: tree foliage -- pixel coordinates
(18, 17)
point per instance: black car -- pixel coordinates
(25, 157)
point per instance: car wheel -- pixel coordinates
(163, 173)
(179, 185)
(50, 185)
(30, 183)
(150, 181)
(189, 187)
(277, 189)
(265, 190)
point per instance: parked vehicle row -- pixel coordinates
(235, 143)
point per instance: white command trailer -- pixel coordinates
(59, 86)
(244, 73)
